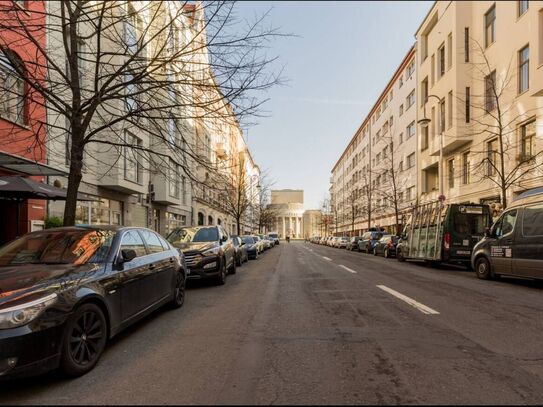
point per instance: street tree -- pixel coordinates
(509, 154)
(133, 79)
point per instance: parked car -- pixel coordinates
(353, 243)
(240, 249)
(437, 232)
(342, 241)
(270, 241)
(265, 242)
(259, 244)
(275, 237)
(386, 246)
(251, 245)
(331, 241)
(514, 244)
(66, 291)
(369, 240)
(208, 250)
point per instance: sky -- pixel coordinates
(341, 58)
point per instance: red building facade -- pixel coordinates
(22, 110)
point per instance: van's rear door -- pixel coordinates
(467, 228)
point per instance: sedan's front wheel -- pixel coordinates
(221, 278)
(84, 340)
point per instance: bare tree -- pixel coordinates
(392, 183)
(265, 212)
(507, 156)
(131, 78)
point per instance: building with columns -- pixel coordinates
(288, 204)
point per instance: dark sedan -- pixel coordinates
(241, 250)
(252, 246)
(353, 243)
(65, 292)
(386, 246)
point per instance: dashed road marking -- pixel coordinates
(347, 268)
(326, 258)
(421, 307)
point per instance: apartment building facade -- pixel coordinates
(158, 183)
(374, 180)
(22, 115)
(479, 84)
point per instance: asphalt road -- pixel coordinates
(308, 324)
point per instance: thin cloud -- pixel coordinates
(326, 101)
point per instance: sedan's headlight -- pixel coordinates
(212, 252)
(24, 313)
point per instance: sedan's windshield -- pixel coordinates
(58, 247)
(187, 235)
(273, 235)
(247, 239)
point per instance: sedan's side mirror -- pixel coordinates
(128, 255)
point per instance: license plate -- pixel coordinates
(463, 252)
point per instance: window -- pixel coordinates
(172, 131)
(532, 224)
(441, 61)
(400, 137)
(522, 7)
(173, 179)
(468, 103)
(401, 109)
(391, 122)
(400, 166)
(411, 68)
(432, 70)
(465, 168)
(401, 80)
(433, 122)
(523, 69)
(410, 193)
(527, 137)
(492, 157)
(411, 130)
(132, 26)
(442, 115)
(450, 168)
(506, 224)
(490, 26)
(410, 100)
(450, 116)
(132, 241)
(152, 240)
(449, 51)
(133, 168)
(12, 89)
(540, 35)
(424, 139)
(466, 44)
(411, 160)
(424, 91)
(490, 99)
(131, 92)
(184, 190)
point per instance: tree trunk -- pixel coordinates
(74, 180)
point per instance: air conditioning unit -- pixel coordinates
(220, 150)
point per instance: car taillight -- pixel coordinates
(447, 241)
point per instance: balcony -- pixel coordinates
(450, 144)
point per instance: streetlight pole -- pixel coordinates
(424, 122)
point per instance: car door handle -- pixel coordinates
(508, 241)
(151, 267)
(171, 260)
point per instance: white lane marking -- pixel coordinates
(421, 307)
(326, 258)
(347, 268)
